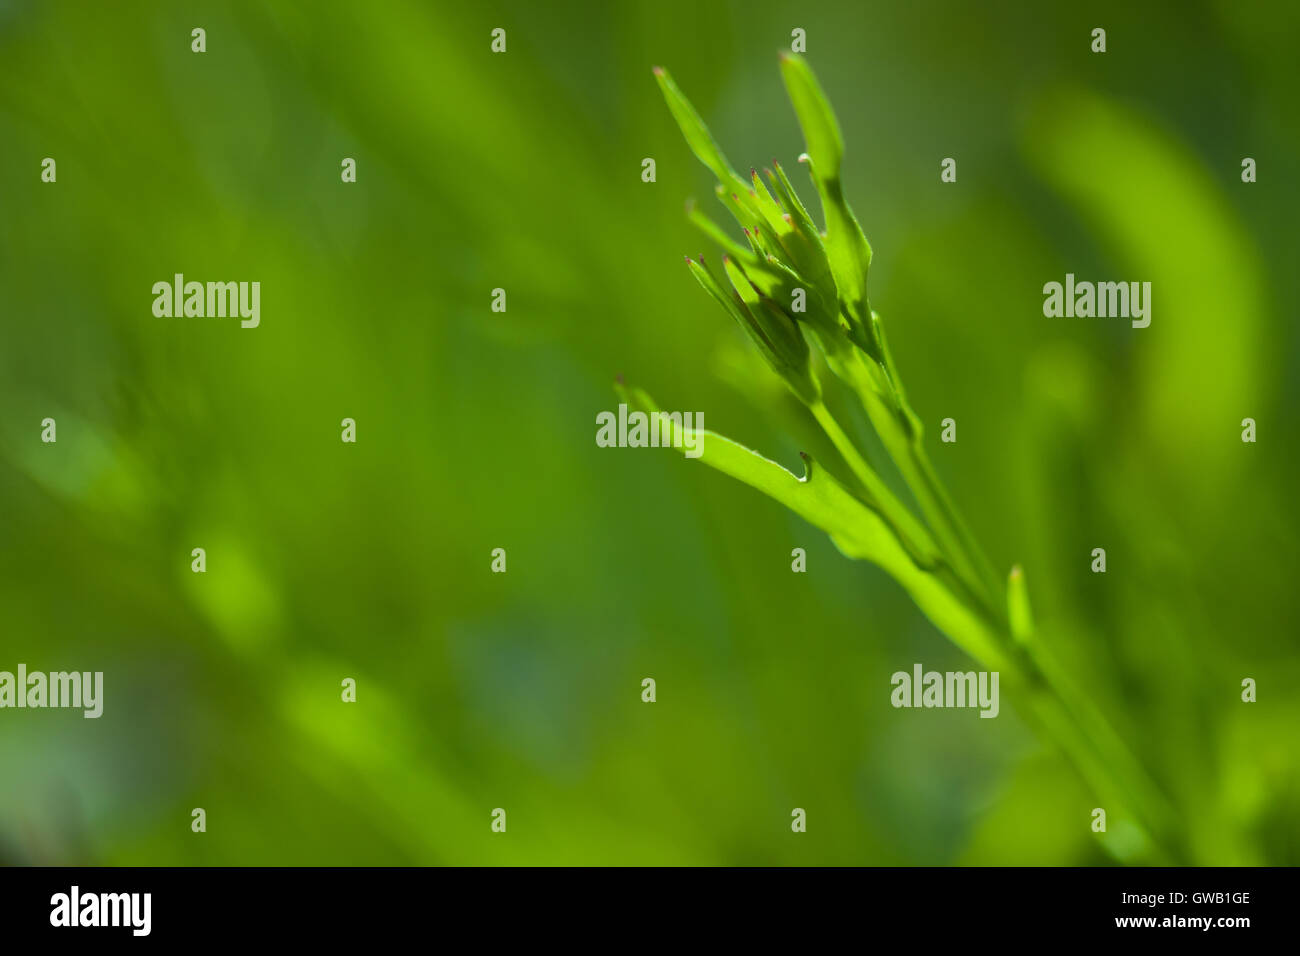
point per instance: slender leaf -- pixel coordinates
(696, 133)
(857, 530)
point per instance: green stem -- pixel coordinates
(911, 532)
(893, 423)
(951, 517)
(1064, 715)
(1100, 754)
(870, 479)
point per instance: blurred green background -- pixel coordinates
(475, 430)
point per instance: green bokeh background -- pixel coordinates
(476, 431)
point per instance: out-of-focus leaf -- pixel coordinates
(1018, 613)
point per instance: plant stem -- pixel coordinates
(893, 423)
(914, 535)
(1064, 715)
(870, 478)
(1097, 751)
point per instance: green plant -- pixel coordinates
(791, 284)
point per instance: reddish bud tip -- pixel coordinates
(619, 379)
(657, 70)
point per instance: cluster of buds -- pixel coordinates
(791, 283)
(790, 275)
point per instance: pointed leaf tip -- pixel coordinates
(693, 128)
(821, 130)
